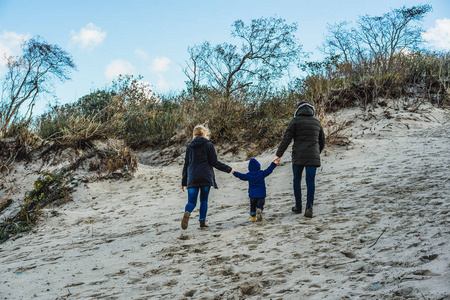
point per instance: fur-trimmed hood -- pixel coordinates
(305, 109)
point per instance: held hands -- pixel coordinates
(277, 160)
(232, 171)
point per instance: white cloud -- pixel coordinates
(10, 43)
(141, 54)
(88, 37)
(439, 36)
(161, 64)
(118, 67)
(162, 84)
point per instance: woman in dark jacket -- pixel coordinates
(198, 174)
(309, 140)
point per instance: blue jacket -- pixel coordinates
(255, 178)
(199, 161)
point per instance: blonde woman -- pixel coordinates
(198, 174)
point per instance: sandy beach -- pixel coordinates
(380, 228)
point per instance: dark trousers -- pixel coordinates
(310, 184)
(256, 203)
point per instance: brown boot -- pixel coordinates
(309, 212)
(185, 220)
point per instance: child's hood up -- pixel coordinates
(254, 165)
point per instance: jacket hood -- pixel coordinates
(305, 110)
(254, 165)
(198, 142)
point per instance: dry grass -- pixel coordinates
(253, 121)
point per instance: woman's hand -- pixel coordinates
(183, 188)
(277, 160)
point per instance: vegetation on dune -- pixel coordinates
(48, 188)
(54, 189)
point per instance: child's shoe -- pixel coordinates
(252, 218)
(185, 220)
(203, 225)
(258, 215)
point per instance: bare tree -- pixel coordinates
(192, 72)
(339, 40)
(268, 49)
(28, 76)
(378, 38)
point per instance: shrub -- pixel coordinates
(257, 118)
(48, 188)
(96, 104)
(149, 125)
(332, 84)
(68, 127)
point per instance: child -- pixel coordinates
(256, 186)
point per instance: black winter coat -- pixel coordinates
(199, 161)
(308, 135)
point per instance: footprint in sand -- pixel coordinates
(428, 258)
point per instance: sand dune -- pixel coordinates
(380, 228)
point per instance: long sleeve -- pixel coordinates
(240, 176)
(212, 159)
(287, 138)
(269, 170)
(321, 140)
(186, 163)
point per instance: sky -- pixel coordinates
(150, 38)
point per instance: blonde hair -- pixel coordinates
(200, 130)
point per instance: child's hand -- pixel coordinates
(277, 160)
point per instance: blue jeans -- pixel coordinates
(192, 200)
(310, 184)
